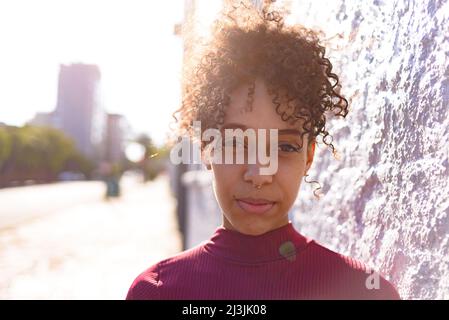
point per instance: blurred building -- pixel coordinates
(80, 114)
(117, 130)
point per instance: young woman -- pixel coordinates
(257, 73)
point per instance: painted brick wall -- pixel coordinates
(386, 201)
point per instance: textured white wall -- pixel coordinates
(386, 201)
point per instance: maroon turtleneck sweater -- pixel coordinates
(279, 264)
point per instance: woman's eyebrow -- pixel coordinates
(233, 125)
(294, 132)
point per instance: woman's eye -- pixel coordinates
(287, 147)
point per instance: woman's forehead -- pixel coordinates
(259, 111)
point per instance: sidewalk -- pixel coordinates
(92, 250)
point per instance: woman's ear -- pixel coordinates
(310, 154)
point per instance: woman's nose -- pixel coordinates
(252, 175)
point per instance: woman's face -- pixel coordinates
(252, 210)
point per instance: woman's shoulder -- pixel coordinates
(360, 280)
(147, 285)
(335, 259)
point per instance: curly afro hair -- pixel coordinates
(246, 44)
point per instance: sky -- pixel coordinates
(131, 41)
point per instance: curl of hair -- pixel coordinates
(316, 194)
(246, 44)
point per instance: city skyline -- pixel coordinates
(140, 58)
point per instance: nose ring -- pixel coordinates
(258, 186)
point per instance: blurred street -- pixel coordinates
(65, 241)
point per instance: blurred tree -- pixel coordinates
(58, 148)
(78, 162)
(148, 144)
(154, 158)
(5, 145)
(38, 153)
(148, 169)
(42, 151)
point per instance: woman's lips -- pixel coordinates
(255, 205)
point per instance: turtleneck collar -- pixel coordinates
(281, 243)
